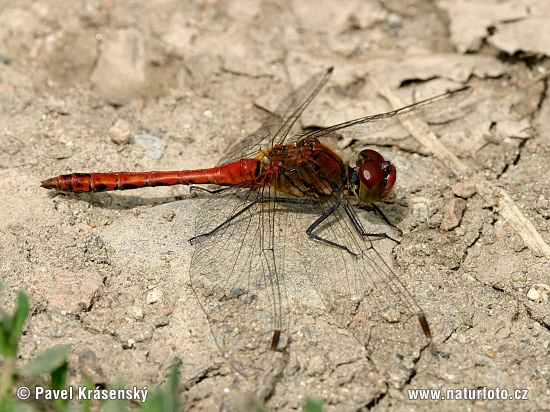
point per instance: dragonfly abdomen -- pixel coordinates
(239, 173)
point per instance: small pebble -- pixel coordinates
(533, 294)
(394, 22)
(136, 312)
(391, 316)
(120, 132)
(154, 146)
(152, 297)
(454, 213)
(169, 215)
(161, 321)
(316, 366)
(518, 276)
(464, 190)
(57, 106)
(422, 209)
(538, 293)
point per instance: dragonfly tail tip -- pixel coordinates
(50, 183)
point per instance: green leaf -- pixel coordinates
(7, 404)
(155, 403)
(59, 381)
(313, 405)
(87, 403)
(5, 328)
(12, 326)
(165, 400)
(59, 377)
(174, 386)
(114, 405)
(21, 313)
(51, 359)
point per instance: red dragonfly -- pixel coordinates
(252, 266)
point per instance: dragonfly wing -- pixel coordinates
(353, 279)
(277, 125)
(260, 273)
(356, 287)
(235, 276)
(385, 122)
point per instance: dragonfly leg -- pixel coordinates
(244, 209)
(359, 228)
(225, 222)
(325, 215)
(320, 219)
(379, 212)
(212, 192)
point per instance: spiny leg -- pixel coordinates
(247, 207)
(227, 221)
(321, 219)
(359, 228)
(385, 218)
(212, 192)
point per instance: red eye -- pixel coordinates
(371, 174)
(376, 176)
(368, 154)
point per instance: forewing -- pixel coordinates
(369, 125)
(277, 125)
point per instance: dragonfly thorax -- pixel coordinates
(304, 168)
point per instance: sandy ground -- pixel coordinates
(108, 274)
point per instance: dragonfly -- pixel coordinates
(285, 222)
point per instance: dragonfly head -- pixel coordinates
(375, 176)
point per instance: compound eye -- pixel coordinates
(371, 181)
(376, 176)
(368, 154)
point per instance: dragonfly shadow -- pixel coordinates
(115, 201)
(123, 201)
